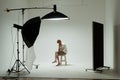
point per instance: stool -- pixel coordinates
(63, 59)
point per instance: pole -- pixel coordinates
(23, 41)
(8, 10)
(17, 66)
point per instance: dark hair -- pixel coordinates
(58, 41)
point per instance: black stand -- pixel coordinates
(99, 69)
(18, 63)
(23, 10)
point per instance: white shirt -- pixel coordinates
(63, 48)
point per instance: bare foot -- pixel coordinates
(58, 64)
(54, 61)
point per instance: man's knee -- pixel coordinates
(56, 53)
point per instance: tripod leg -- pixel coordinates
(24, 67)
(10, 70)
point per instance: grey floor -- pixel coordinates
(51, 72)
(52, 79)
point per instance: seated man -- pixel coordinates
(62, 50)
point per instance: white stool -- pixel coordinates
(63, 59)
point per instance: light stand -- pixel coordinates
(22, 41)
(17, 62)
(55, 15)
(23, 11)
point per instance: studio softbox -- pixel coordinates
(30, 31)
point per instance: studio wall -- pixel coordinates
(76, 33)
(112, 34)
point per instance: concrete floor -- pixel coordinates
(69, 72)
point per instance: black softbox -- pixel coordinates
(30, 31)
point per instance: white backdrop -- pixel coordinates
(76, 33)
